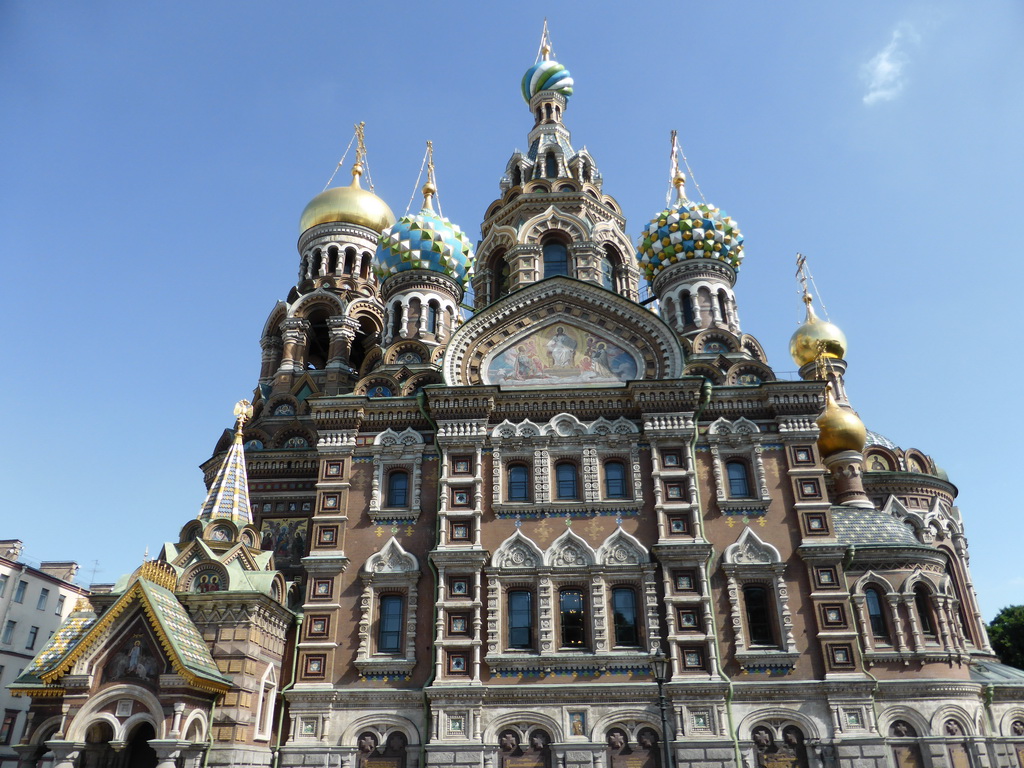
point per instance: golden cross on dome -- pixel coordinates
(801, 275)
(430, 188)
(678, 178)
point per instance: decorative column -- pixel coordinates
(293, 333)
(847, 468)
(65, 753)
(168, 751)
(270, 362)
(342, 331)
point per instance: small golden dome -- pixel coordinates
(805, 341)
(841, 428)
(349, 205)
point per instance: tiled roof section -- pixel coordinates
(181, 640)
(876, 439)
(991, 672)
(186, 642)
(866, 527)
(56, 649)
(228, 497)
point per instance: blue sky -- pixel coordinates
(156, 158)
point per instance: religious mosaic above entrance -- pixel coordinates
(561, 354)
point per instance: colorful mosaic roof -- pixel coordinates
(424, 241)
(547, 75)
(689, 231)
(228, 497)
(181, 640)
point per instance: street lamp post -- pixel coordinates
(659, 668)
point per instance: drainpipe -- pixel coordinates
(703, 402)
(291, 684)
(209, 741)
(421, 401)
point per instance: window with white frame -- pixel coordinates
(761, 620)
(736, 452)
(387, 622)
(397, 466)
(600, 601)
(265, 705)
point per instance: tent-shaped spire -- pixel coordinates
(228, 497)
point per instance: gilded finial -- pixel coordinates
(430, 188)
(545, 42)
(816, 340)
(678, 178)
(243, 412)
(358, 165)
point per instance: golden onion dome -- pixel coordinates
(840, 428)
(813, 335)
(348, 205)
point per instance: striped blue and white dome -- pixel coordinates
(424, 241)
(547, 75)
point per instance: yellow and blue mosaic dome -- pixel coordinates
(689, 231)
(424, 241)
(547, 75)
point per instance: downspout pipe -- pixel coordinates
(421, 401)
(703, 401)
(291, 684)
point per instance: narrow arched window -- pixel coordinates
(566, 481)
(687, 305)
(389, 626)
(759, 618)
(614, 480)
(517, 177)
(350, 260)
(520, 619)
(922, 601)
(876, 617)
(739, 482)
(722, 303)
(396, 318)
(432, 317)
(607, 274)
(518, 483)
(624, 616)
(551, 166)
(500, 275)
(398, 488)
(556, 258)
(573, 618)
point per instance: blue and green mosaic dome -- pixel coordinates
(546, 75)
(689, 231)
(424, 241)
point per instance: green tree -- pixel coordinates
(1007, 635)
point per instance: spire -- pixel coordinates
(430, 188)
(228, 497)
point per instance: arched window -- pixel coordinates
(398, 488)
(614, 480)
(757, 603)
(607, 274)
(500, 275)
(722, 307)
(556, 258)
(396, 319)
(518, 483)
(687, 305)
(350, 260)
(432, 317)
(520, 619)
(876, 617)
(739, 482)
(624, 616)
(517, 177)
(922, 601)
(551, 166)
(573, 618)
(389, 627)
(566, 481)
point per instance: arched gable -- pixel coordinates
(517, 551)
(569, 551)
(392, 558)
(573, 333)
(621, 549)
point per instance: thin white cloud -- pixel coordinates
(885, 72)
